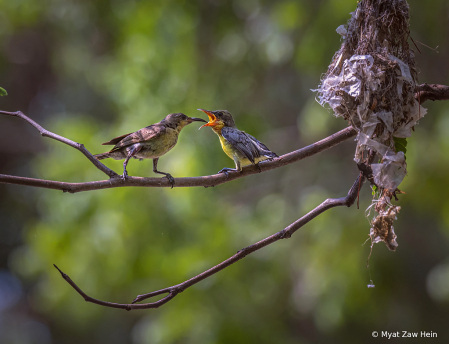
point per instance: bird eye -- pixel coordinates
(184, 117)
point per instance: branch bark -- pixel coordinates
(78, 146)
(426, 92)
(423, 93)
(206, 181)
(172, 291)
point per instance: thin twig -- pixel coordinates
(172, 291)
(78, 146)
(206, 181)
(434, 49)
(415, 43)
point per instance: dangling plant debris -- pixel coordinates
(371, 83)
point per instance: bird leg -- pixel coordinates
(237, 168)
(167, 175)
(133, 151)
(227, 169)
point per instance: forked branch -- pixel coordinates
(78, 146)
(206, 181)
(423, 92)
(172, 291)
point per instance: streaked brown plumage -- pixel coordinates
(149, 143)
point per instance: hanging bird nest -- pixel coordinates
(371, 83)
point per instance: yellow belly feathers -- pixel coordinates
(234, 153)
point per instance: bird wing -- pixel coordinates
(264, 150)
(115, 140)
(242, 142)
(143, 135)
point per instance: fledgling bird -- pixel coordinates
(149, 143)
(243, 148)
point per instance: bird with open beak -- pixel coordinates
(243, 148)
(149, 143)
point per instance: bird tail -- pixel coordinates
(102, 156)
(271, 154)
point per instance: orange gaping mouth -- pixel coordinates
(212, 119)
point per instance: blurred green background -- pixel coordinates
(92, 70)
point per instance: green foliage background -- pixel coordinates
(114, 67)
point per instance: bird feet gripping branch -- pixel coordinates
(171, 180)
(150, 142)
(125, 163)
(243, 148)
(167, 175)
(228, 169)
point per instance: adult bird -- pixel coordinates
(149, 143)
(243, 148)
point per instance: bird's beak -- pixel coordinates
(212, 118)
(196, 119)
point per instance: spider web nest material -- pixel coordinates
(371, 83)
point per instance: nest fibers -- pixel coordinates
(371, 83)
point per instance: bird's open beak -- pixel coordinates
(196, 119)
(212, 118)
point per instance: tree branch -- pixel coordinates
(431, 92)
(206, 181)
(423, 93)
(78, 146)
(172, 291)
